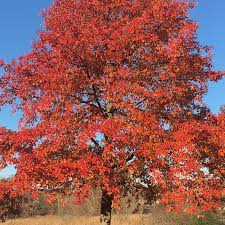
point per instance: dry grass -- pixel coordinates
(158, 218)
(69, 220)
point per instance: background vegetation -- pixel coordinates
(25, 210)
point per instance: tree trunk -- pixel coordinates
(106, 208)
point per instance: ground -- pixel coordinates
(68, 220)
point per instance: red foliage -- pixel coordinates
(111, 96)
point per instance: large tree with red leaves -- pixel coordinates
(111, 98)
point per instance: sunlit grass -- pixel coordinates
(69, 220)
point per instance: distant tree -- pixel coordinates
(111, 97)
(10, 207)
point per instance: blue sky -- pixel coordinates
(211, 17)
(20, 20)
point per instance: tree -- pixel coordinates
(9, 206)
(111, 97)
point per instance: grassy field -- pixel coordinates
(68, 220)
(134, 219)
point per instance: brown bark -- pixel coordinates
(106, 209)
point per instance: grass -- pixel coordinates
(134, 219)
(69, 220)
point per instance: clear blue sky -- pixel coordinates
(211, 17)
(19, 22)
(20, 19)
